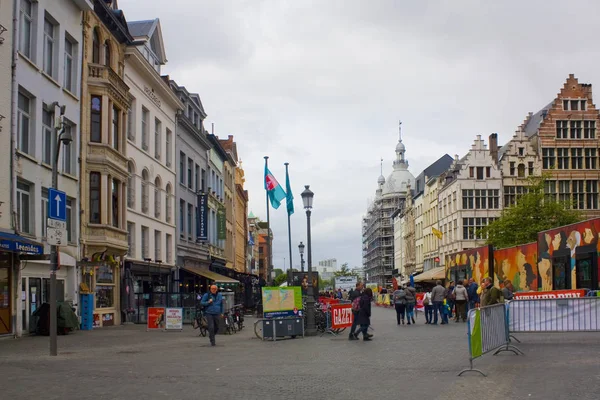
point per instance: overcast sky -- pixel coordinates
(322, 84)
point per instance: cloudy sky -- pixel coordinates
(322, 84)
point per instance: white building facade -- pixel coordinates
(151, 222)
(48, 70)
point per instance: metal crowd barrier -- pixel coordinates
(580, 314)
(488, 331)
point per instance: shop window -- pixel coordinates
(105, 286)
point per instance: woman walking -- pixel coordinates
(411, 300)
(400, 304)
(364, 314)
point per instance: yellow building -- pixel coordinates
(105, 104)
(241, 222)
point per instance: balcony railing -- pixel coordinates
(107, 75)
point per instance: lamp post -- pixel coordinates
(307, 199)
(301, 249)
(65, 138)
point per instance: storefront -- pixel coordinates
(101, 279)
(247, 291)
(5, 293)
(146, 284)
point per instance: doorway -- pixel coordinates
(5, 296)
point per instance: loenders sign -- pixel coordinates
(554, 294)
(341, 316)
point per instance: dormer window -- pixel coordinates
(521, 151)
(574, 105)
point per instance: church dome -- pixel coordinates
(380, 180)
(398, 181)
(400, 147)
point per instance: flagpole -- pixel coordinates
(269, 266)
(289, 223)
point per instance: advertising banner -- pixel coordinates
(221, 223)
(296, 278)
(341, 316)
(420, 306)
(345, 282)
(174, 319)
(281, 301)
(554, 294)
(202, 218)
(156, 318)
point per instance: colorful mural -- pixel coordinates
(472, 263)
(568, 256)
(519, 265)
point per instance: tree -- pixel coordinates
(344, 271)
(278, 271)
(533, 212)
(279, 279)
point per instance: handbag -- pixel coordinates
(195, 323)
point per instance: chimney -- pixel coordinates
(494, 147)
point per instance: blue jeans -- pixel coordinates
(438, 306)
(410, 312)
(429, 313)
(364, 329)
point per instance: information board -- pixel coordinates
(281, 301)
(174, 319)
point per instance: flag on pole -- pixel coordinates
(289, 197)
(437, 233)
(274, 189)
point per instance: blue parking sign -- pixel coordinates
(57, 204)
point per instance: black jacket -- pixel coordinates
(354, 293)
(364, 314)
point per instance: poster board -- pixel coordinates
(341, 316)
(281, 301)
(174, 319)
(156, 318)
(345, 282)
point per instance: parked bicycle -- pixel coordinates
(200, 322)
(238, 316)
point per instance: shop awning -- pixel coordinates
(213, 276)
(19, 244)
(431, 275)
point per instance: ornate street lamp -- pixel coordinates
(301, 249)
(307, 199)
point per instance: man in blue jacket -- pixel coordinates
(213, 311)
(472, 292)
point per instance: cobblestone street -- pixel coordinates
(401, 362)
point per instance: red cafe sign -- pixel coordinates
(341, 316)
(554, 294)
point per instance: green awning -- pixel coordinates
(213, 276)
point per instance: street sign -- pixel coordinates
(58, 224)
(56, 236)
(57, 204)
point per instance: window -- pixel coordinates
(583, 105)
(116, 185)
(24, 123)
(169, 143)
(521, 151)
(157, 144)
(49, 29)
(157, 202)
(563, 158)
(169, 245)
(576, 158)
(190, 167)
(548, 159)
(182, 218)
(512, 168)
(575, 129)
(480, 199)
(130, 119)
(105, 286)
(479, 173)
(564, 191)
(467, 199)
(168, 203)
(203, 177)
(550, 190)
(471, 172)
(131, 239)
(67, 152)
(574, 105)
(145, 191)
(197, 176)
(131, 185)
(488, 172)
(590, 158)
(95, 197)
(44, 211)
(48, 142)
(145, 116)
(562, 130)
(521, 171)
(190, 225)
(95, 47)
(96, 120)
(115, 127)
(145, 242)
(512, 194)
(70, 220)
(25, 27)
(107, 53)
(23, 207)
(70, 66)
(591, 189)
(579, 195)
(530, 168)
(181, 167)
(157, 246)
(472, 227)
(589, 129)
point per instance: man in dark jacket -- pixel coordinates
(213, 310)
(491, 294)
(354, 294)
(472, 291)
(438, 293)
(364, 314)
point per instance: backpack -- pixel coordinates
(356, 304)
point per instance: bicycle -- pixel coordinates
(229, 323)
(238, 316)
(200, 322)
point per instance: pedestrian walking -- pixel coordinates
(437, 298)
(428, 307)
(400, 304)
(353, 295)
(450, 297)
(213, 311)
(461, 296)
(472, 292)
(508, 290)
(411, 299)
(364, 313)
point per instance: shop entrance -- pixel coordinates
(5, 295)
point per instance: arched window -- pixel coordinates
(157, 202)
(131, 185)
(95, 47)
(168, 202)
(145, 191)
(521, 170)
(107, 53)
